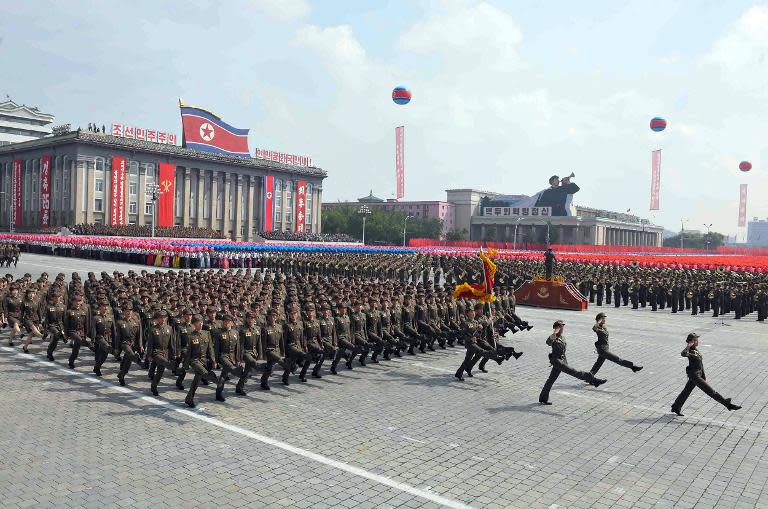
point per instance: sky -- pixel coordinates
(505, 93)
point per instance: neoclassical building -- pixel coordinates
(222, 192)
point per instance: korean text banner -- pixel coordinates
(301, 205)
(117, 197)
(45, 190)
(17, 182)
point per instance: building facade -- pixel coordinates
(20, 123)
(757, 233)
(221, 192)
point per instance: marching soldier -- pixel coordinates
(251, 354)
(200, 355)
(160, 348)
(697, 378)
(559, 363)
(272, 339)
(77, 326)
(229, 341)
(104, 332)
(603, 352)
(55, 320)
(129, 335)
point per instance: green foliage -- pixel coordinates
(457, 234)
(696, 240)
(381, 226)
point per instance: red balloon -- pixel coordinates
(745, 166)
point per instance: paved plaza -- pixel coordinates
(402, 433)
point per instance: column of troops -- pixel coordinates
(297, 311)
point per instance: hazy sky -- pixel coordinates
(504, 93)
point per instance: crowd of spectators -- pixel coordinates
(307, 237)
(132, 230)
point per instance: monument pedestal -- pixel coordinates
(550, 294)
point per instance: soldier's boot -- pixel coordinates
(190, 402)
(180, 381)
(316, 369)
(265, 380)
(362, 357)
(220, 393)
(153, 388)
(441, 341)
(636, 368)
(481, 367)
(732, 406)
(677, 411)
(386, 354)
(49, 352)
(459, 372)
(239, 387)
(286, 373)
(121, 378)
(375, 356)
(303, 373)
(410, 350)
(97, 371)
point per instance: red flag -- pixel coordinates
(117, 202)
(45, 190)
(301, 205)
(207, 132)
(655, 179)
(269, 203)
(18, 181)
(167, 192)
(400, 161)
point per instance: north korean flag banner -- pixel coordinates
(207, 132)
(167, 192)
(301, 205)
(45, 190)
(17, 182)
(269, 203)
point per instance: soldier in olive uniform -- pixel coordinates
(312, 339)
(103, 334)
(603, 352)
(160, 348)
(296, 349)
(559, 363)
(131, 340)
(200, 355)
(473, 333)
(229, 342)
(14, 306)
(55, 320)
(77, 326)
(328, 337)
(31, 317)
(272, 339)
(251, 354)
(697, 378)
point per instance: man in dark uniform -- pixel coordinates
(272, 340)
(77, 326)
(251, 354)
(557, 195)
(55, 320)
(160, 345)
(697, 378)
(103, 333)
(199, 356)
(549, 262)
(229, 341)
(473, 334)
(130, 339)
(559, 363)
(603, 352)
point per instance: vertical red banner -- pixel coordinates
(167, 183)
(117, 196)
(45, 190)
(400, 160)
(655, 179)
(17, 193)
(269, 203)
(743, 205)
(301, 205)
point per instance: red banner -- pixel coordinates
(269, 203)
(45, 190)
(743, 205)
(655, 179)
(17, 183)
(167, 183)
(301, 205)
(117, 198)
(400, 161)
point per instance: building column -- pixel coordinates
(89, 213)
(214, 199)
(238, 204)
(185, 197)
(201, 176)
(249, 223)
(141, 200)
(226, 222)
(319, 201)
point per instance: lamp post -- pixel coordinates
(153, 190)
(364, 211)
(405, 226)
(682, 231)
(514, 237)
(709, 231)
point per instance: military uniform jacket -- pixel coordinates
(343, 327)
(695, 362)
(602, 337)
(104, 326)
(472, 331)
(160, 341)
(77, 321)
(373, 322)
(55, 316)
(129, 331)
(558, 347)
(312, 332)
(358, 325)
(250, 341)
(294, 335)
(409, 317)
(230, 345)
(31, 311)
(181, 340)
(422, 314)
(272, 338)
(200, 347)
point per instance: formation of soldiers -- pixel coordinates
(9, 254)
(245, 322)
(295, 312)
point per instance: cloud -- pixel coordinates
(284, 10)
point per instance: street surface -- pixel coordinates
(402, 433)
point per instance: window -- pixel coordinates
(98, 177)
(278, 203)
(99, 186)
(98, 204)
(133, 207)
(133, 188)
(308, 208)
(148, 208)
(133, 169)
(288, 203)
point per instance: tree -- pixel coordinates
(456, 234)
(381, 226)
(696, 240)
